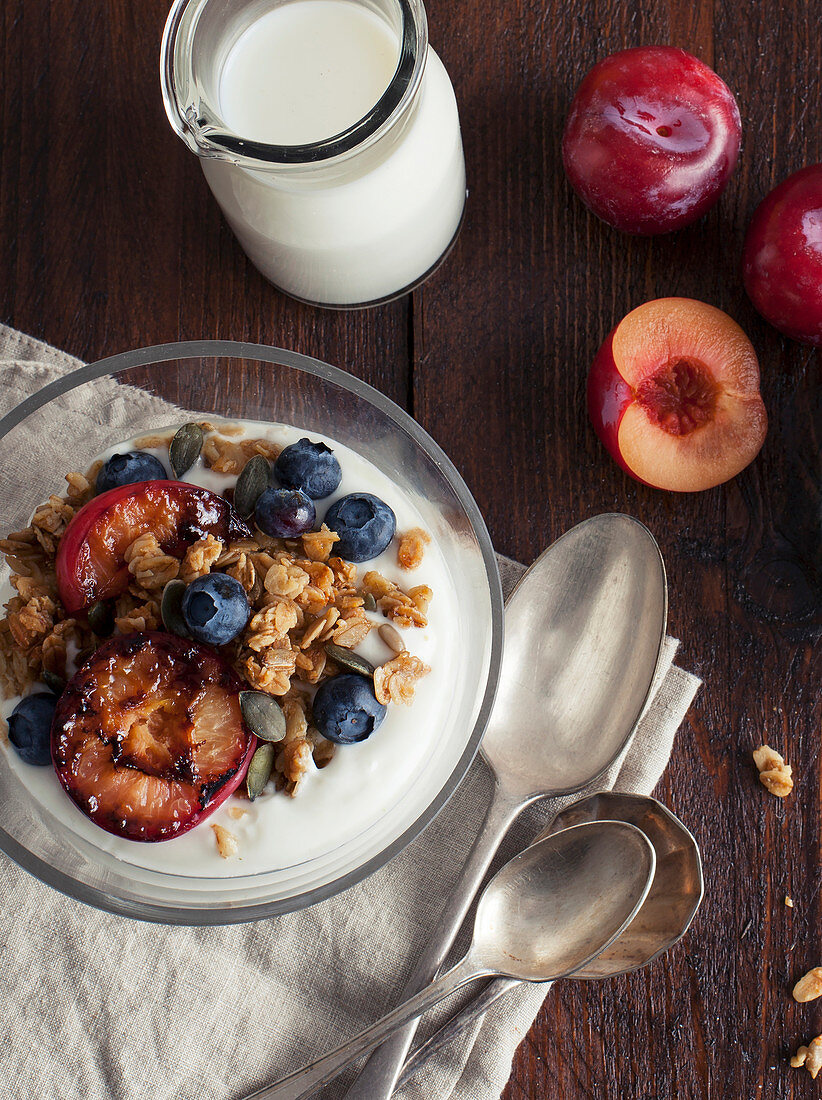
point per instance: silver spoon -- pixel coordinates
(545, 914)
(583, 631)
(665, 916)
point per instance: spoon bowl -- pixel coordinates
(675, 893)
(583, 631)
(558, 904)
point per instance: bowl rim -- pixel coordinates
(239, 912)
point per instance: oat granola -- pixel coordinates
(809, 986)
(227, 844)
(774, 774)
(810, 1057)
(396, 680)
(411, 548)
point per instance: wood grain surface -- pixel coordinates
(109, 240)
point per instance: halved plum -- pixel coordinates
(91, 557)
(674, 395)
(148, 737)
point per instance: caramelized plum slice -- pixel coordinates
(91, 558)
(148, 737)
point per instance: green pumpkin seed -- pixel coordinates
(370, 603)
(251, 484)
(171, 608)
(101, 618)
(346, 658)
(392, 637)
(184, 449)
(259, 770)
(263, 715)
(53, 682)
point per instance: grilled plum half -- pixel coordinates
(91, 561)
(148, 737)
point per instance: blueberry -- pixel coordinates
(346, 710)
(128, 468)
(215, 608)
(310, 467)
(364, 523)
(30, 728)
(285, 513)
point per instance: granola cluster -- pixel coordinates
(411, 548)
(809, 986)
(402, 608)
(36, 634)
(810, 1057)
(774, 774)
(395, 681)
(301, 595)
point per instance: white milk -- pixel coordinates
(336, 804)
(306, 71)
(356, 228)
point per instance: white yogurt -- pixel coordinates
(354, 229)
(362, 782)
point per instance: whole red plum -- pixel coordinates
(651, 139)
(782, 260)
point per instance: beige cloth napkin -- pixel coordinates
(98, 1007)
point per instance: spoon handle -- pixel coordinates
(306, 1080)
(493, 991)
(378, 1078)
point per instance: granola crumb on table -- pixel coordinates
(810, 1057)
(809, 986)
(774, 774)
(301, 597)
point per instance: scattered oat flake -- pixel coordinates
(810, 1057)
(396, 680)
(774, 774)
(411, 548)
(789, 901)
(199, 558)
(227, 844)
(809, 987)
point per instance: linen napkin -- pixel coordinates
(100, 1007)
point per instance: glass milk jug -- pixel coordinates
(328, 132)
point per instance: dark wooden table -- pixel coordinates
(110, 240)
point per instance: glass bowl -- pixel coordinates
(63, 425)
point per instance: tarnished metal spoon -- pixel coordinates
(583, 632)
(664, 918)
(545, 914)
